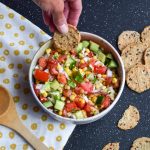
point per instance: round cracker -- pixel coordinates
(111, 146)
(145, 35)
(147, 56)
(127, 38)
(142, 143)
(133, 54)
(129, 119)
(68, 41)
(138, 78)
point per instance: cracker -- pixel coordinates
(142, 143)
(138, 78)
(147, 57)
(129, 119)
(111, 146)
(145, 35)
(68, 41)
(127, 38)
(133, 54)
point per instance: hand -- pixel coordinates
(58, 13)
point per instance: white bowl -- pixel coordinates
(108, 48)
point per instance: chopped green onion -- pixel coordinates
(79, 78)
(71, 84)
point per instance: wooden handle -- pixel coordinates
(24, 132)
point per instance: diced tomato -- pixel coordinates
(43, 99)
(78, 90)
(41, 75)
(100, 69)
(83, 65)
(42, 62)
(52, 64)
(64, 112)
(105, 102)
(87, 86)
(73, 52)
(108, 81)
(88, 109)
(62, 78)
(92, 61)
(79, 102)
(61, 58)
(90, 54)
(71, 106)
(37, 91)
(67, 93)
(53, 52)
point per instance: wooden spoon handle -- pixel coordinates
(24, 132)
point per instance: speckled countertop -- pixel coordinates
(107, 19)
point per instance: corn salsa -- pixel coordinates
(76, 84)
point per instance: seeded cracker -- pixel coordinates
(145, 35)
(68, 41)
(132, 55)
(147, 57)
(111, 146)
(127, 38)
(142, 143)
(129, 119)
(138, 78)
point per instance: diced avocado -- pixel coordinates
(79, 114)
(101, 57)
(69, 61)
(81, 55)
(99, 100)
(94, 47)
(55, 56)
(112, 64)
(79, 47)
(85, 44)
(55, 85)
(59, 105)
(107, 61)
(48, 104)
(56, 95)
(71, 84)
(109, 55)
(79, 77)
(47, 86)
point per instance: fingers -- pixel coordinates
(46, 17)
(66, 9)
(75, 11)
(60, 20)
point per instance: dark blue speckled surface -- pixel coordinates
(107, 19)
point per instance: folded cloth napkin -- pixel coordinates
(19, 41)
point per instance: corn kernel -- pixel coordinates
(60, 113)
(82, 61)
(93, 99)
(44, 93)
(103, 76)
(72, 97)
(87, 50)
(74, 69)
(95, 57)
(68, 71)
(48, 51)
(87, 72)
(114, 80)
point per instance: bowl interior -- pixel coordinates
(108, 48)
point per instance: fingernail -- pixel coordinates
(63, 28)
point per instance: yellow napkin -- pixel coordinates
(19, 41)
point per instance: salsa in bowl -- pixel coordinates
(81, 85)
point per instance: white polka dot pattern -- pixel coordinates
(19, 40)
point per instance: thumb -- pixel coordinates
(60, 21)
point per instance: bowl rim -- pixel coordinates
(99, 115)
